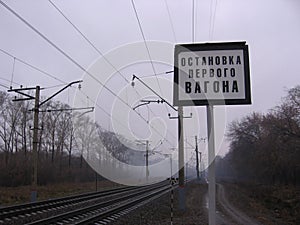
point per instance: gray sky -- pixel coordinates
(271, 29)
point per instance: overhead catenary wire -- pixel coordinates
(39, 70)
(55, 46)
(86, 38)
(152, 75)
(213, 10)
(214, 19)
(13, 71)
(193, 21)
(171, 21)
(109, 115)
(94, 47)
(65, 54)
(33, 67)
(65, 109)
(63, 83)
(3, 85)
(4, 79)
(193, 29)
(173, 30)
(54, 86)
(42, 35)
(70, 58)
(146, 45)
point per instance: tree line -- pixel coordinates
(265, 148)
(62, 143)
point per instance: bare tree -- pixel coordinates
(266, 148)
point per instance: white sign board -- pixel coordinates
(212, 73)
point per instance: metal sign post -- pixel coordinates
(211, 74)
(211, 168)
(181, 159)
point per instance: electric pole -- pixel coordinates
(147, 162)
(33, 194)
(200, 162)
(36, 111)
(35, 143)
(181, 176)
(197, 158)
(146, 143)
(180, 118)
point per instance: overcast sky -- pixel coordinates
(271, 28)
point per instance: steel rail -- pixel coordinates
(124, 205)
(83, 213)
(22, 209)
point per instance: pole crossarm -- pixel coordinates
(70, 109)
(19, 91)
(144, 103)
(147, 102)
(22, 89)
(29, 96)
(166, 155)
(155, 101)
(183, 117)
(21, 99)
(203, 139)
(56, 93)
(146, 85)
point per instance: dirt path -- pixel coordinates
(235, 215)
(221, 218)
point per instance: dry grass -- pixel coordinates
(18, 195)
(268, 204)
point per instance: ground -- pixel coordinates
(270, 205)
(262, 204)
(158, 212)
(18, 195)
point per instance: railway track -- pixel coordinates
(95, 207)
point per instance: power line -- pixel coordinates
(66, 109)
(162, 73)
(2, 78)
(145, 43)
(85, 37)
(193, 21)
(147, 48)
(210, 19)
(55, 46)
(33, 67)
(94, 47)
(3, 85)
(70, 58)
(117, 120)
(12, 73)
(143, 35)
(171, 22)
(54, 86)
(213, 10)
(214, 19)
(193, 26)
